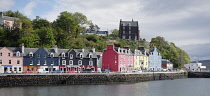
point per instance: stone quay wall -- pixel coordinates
(10, 80)
(198, 74)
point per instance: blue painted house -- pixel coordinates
(155, 60)
(39, 58)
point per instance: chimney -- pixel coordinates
(110, 47)
(22, 48)
(1, 14)
(83, 50)
(93, 49)
(55, 48)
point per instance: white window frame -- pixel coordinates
(38, 55)
(63, 62)
(51, 55)
(30, 54)
(38, 62)
(71, 62)
(90, 55)
(18, 54)
(81, 56)
(0, 61)
(20, 69)
(51, 62)
(9, 54)
(45, 62)
(71, 56)
(31, 62)
(63, 55)
(80, 62)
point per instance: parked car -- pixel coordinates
(105, 70)
(28, 72)
(42, 71)
(72, 71)
(57, 71)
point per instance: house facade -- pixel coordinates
(39, 58)
(78, 60)
(117, 59)
(166, 64)
(195, 67)
(155, 60)
(129, 30)
(11, 60)
(9, 22)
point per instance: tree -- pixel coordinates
(38, 23)
(115, 33)
(46, 36)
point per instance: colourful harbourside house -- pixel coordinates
(117, 59)
(166, 64)
(155, 60)
(39, 58)
(140, 59)
(11, 60)
(78, 60)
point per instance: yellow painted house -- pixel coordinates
(140, 60)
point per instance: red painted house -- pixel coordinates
(117, 59)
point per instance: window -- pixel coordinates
(0, 54)
(91, 63)
(10, 68)
(90, 55)
(45, 62)
(18, 61)
(80, 62)
(44, 55)
(63, 62)
(129, 28)
(115, 62)
(38, 56)
(38, 62)
(30, 54)
(0, 61)
(10, 62)
(71, 56)
(123, 32)
(63, 55)
(18, 54)
(52, 62)
(115, 57)
(8, 54)
(19, 68)
(123, 28)
(71, 62)
(51, 55)
(31, 62)
(81, 56)
(15, 68)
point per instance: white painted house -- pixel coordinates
(194, 67)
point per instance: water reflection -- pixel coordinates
(178, 87)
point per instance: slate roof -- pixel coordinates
(126, 23)
(85, 53)
(123, 51)
(101, 32)
(10, 18)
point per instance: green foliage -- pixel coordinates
(169, 51)
(38, 23)
(114, 34)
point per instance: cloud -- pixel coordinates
(28, 9)
(6, 5)
(184, 22)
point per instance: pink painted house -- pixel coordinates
(117, 59)
(11, 61)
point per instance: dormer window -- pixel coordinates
(30, 54)
(18, 54)
(90, 56)
(63, 55)
(51, 55)
(91, 63)
(81, 55)
(71, 56)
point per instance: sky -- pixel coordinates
(184, 22)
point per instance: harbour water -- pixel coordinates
(177, 87)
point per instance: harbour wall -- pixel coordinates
(198, 74)
(9, 80)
